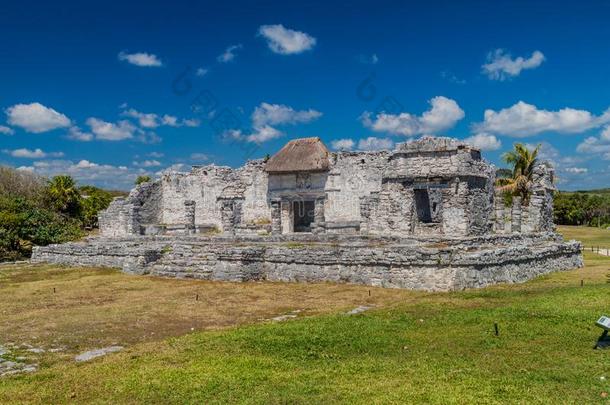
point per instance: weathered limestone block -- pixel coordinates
(399, 264)
(276, 217)
(189, 216)
(516, 215)
(500, 218)
(121, 218)
(231, 210)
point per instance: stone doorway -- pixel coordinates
(303, 214)
(428, 205)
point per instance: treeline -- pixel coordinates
(39, 211)
(590, 208)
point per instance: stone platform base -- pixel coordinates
(419, 264)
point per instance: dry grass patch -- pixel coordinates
(82, 308)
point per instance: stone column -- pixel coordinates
(129, 217)
(318, 216)
(227, 216)
(287, 217)
(516, 215)
(276, 217)
(499, 210)
(189, 216)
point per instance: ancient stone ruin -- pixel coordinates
(423, 216)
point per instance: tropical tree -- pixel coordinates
(64, 195)
(523, 162)
(142, 179)
(93, 201)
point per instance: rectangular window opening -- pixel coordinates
(428, 206)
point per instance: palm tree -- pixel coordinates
(64, 194)
(523, 161)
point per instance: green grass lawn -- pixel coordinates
(589, 236)
(421, 348)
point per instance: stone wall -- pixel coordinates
(162, 202)
(432, 186)
(206, 185)
(119, 219)
(405, 264)
(368, 192)
(125, 216)
(533, 216)
(431, 157)
(353, 175)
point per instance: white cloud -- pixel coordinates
(443, 114)
(176, 167)
(286, 41)
(343, 144)
(277, 114)
(170, 120)
(260, 135)
(76, 134)
(148, 137)
(32, 154)
(576, 170)
(147, 163)
(152, 120)
(87, 172)
(450, 77)
(36, 118)
(141, 59)
(146, 120)
(500, 65)
(108, 131)
(229, 54)
(155, 155)
(522, 120)
(6, 130)
(266, 115)
(484, 141)
(372, 143)
(597, 146)
(202, 157)
(200, 72)
(191, 122)
(548, 152)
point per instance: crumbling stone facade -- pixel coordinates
(429, 192)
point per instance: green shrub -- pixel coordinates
(23, 225)
(34, 211)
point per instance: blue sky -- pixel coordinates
(110, 90)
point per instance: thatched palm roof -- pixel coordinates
(300, 155)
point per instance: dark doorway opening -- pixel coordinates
(303, 212)
(428, 205)
(422, 206)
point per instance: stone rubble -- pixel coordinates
(92, 354)
(18, 365)
(359, 310)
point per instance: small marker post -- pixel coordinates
(582, 283)
(196, 297)
(496, 329)
(53, 290)
(369, 293)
